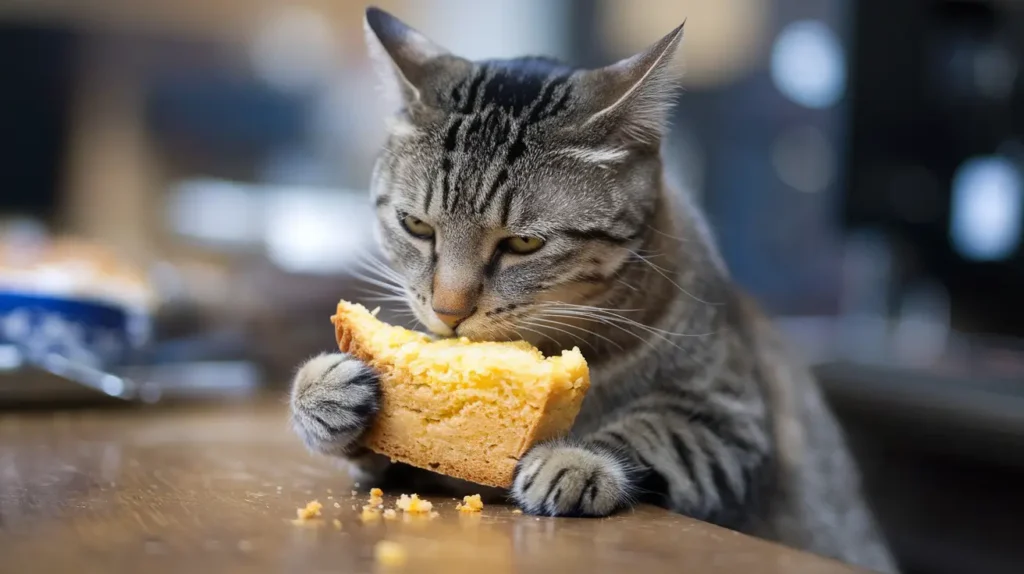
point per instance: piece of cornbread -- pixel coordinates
(465, 409)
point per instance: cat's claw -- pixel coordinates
(564, 479)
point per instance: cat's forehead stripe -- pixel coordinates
(484, 137)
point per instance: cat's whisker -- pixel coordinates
(672, 281)
(627, 285)
(369, 292)
(386, 299)
(608, 317)
(379, 273)
(541, 333)
(662, 233)
(493, 329)
(589, 307)
(385, 271)
(389, 287)
(510, 324)
(545, 319)
(605, 321)
(617, 318)
(634, 323)
(535, 321)
(379, 280)
(374, 264)
(622, 324)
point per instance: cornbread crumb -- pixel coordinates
(329, 491)
(517, 511)
(376, 497)
(434, 515)
(414, 505)
(470, 504)
(389, 553)
(369, 514)
(390, 514)
(336, 505)
(337, 524)
(354, 493)
(311, 510)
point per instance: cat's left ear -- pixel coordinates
(409, 64)
(630, 100)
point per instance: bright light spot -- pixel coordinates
(295, 50)
(804, 159)
(808, 65)
(10, 358)
(317, 231)
(214, 211)
(988, 200)
(112, 385)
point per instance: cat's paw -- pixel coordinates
(334, 399)
(564, 479)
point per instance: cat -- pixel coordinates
(523, 198)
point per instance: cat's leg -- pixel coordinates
(333, 401)
(698, 457)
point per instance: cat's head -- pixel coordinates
(507, 185)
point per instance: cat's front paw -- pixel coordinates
(334, 399)
(564, 479)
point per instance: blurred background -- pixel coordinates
(183, 200)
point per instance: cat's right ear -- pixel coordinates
(632, 98)
(407, 62)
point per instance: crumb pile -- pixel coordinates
(414, 504)
(470, 504)
(310, 511)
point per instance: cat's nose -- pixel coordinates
(452, 317)
(455, 296)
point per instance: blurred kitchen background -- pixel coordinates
(201, 167)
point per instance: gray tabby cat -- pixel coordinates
(524, 199)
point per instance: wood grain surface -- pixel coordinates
(215, 489)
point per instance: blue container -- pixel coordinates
(91, 333)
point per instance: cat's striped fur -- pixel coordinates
(695, 404)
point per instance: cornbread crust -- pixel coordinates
(469, 421)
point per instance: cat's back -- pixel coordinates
(817, 501)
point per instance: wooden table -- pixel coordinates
(215, 489)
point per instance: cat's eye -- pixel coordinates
(521, 245)
(417, 227)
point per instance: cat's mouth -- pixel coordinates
(547, 336)
(532, 323)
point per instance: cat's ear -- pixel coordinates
(406, 61)
(631, 99)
